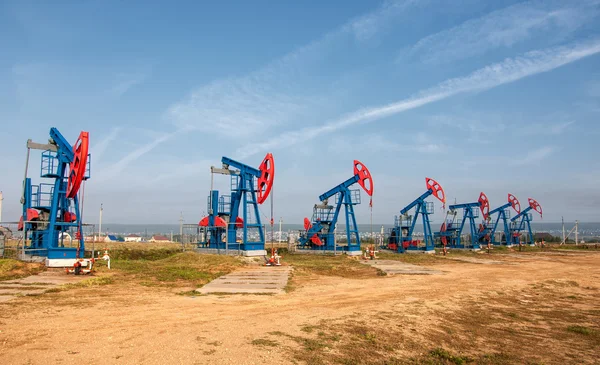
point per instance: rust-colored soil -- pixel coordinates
(538, 308)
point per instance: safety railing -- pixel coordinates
(49, 166)
(41, 195)
(234, 182)
(88, 167)
(322, 214)
(429, 207)
(355, 197)
(225, 204)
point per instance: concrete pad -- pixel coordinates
(474, 260)
(36, 284)
(392, 267)
(52, 277)
(262, 280)
(22, 292)
(231, 252)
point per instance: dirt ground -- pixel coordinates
(537, 308)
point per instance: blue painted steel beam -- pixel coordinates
(340, 188)
(417, 201)
(242, 167)
(505, 206)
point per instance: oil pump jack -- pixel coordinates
(503, 215)
(401, 235)
(319, 233)
(51, 211)
(522, 222)
(451, 230)
(237, 214)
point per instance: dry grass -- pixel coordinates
(176, 270)
(13, 269)
(490, 330)
(329, 265)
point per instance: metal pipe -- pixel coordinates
(25, 178)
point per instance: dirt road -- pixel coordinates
(527, 311)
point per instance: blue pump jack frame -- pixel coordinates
(324, 227)
(403, 241)
(519, 223)
(243, 195)
(47, 238)
(503, 216)
(453, 233)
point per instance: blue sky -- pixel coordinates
(493, 96)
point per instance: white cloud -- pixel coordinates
(269, 97)
(126, 81)
(510, 70)
(535, 156)
(561, 127)
(100, 147)
(367, 26)
(505, 28)
(132, 156)
(543, 128)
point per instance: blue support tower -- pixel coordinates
(503, 214)
(452, 229)
(319, 232)
(51, 211)
(233, 222)
(401, 235)
(522, 222)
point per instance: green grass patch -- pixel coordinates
(86, 283)
(447, 357)
(264, 342)
(183, 268)
(582, 330)
(150, 254)
(330, 265)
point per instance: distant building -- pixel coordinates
(543, 236)
(159, 238)
(133, 238)
(111, 238)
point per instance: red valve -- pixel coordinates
(307, 224)
(535, 206)
(514, 202)
(436, 189)
(484, 205)
(365, 179)
(265, 181)
(78, 165)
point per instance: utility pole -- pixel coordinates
(100, 230)
(563, 229)
(181, 231)
(272, 222)
(576, 233)
(1, 199)
(280, 222)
